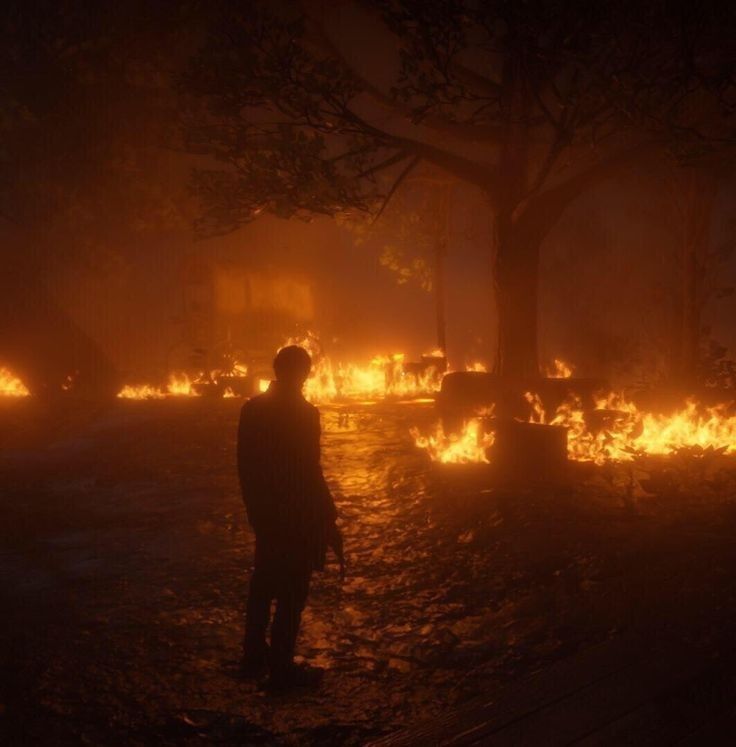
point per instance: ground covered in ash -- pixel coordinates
(125, 560)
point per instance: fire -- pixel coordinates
(141, 391)
(476, 366)
(559, 369)
(179, 385)
(11, 386)
(616, 430)
(383, 376)
(466, 447)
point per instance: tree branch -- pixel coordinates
(542, 212)
(465, 131)
(402, 176)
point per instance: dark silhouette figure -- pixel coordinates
(292, 513)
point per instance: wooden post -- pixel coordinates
(439, 266)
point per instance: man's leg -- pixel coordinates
(257, 617)
(290, 600)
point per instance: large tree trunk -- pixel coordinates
(516, 276)
(439, 291)
(516, 259)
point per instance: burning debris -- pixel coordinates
(617, 430)
(387, 376)
(226, 383)
(179, 385)
(614, 430)
(11, 385)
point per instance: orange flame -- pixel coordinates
(624, 430)
(383, 376)
(141, 391)
(179, 385)
(615, 430)
(559, 369)
(11, 386)
(466, 447)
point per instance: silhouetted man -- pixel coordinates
(292, 513)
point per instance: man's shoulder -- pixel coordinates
(311, 411)
(254, 405)
(263, 403)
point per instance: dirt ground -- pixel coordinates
(125, 558)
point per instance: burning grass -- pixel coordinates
(181, 384)
(178, 385)
(385, 376)
(614, 430)
(617, 430)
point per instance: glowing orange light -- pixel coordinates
(559, 369)
(467, 446)
(11, 385)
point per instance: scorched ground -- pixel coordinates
(126, 557)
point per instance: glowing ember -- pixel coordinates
(466, 447)
(68, 384)
(11, 386)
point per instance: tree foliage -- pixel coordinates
(317, 109)
(283, 105)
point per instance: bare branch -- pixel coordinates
(402, 176)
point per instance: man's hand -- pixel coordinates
(334, 541)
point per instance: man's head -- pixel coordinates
(292, 365)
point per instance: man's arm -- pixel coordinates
(329, 512)
(249, 467)
(323, 494)
(243, 451)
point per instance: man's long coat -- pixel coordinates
(287, 499)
